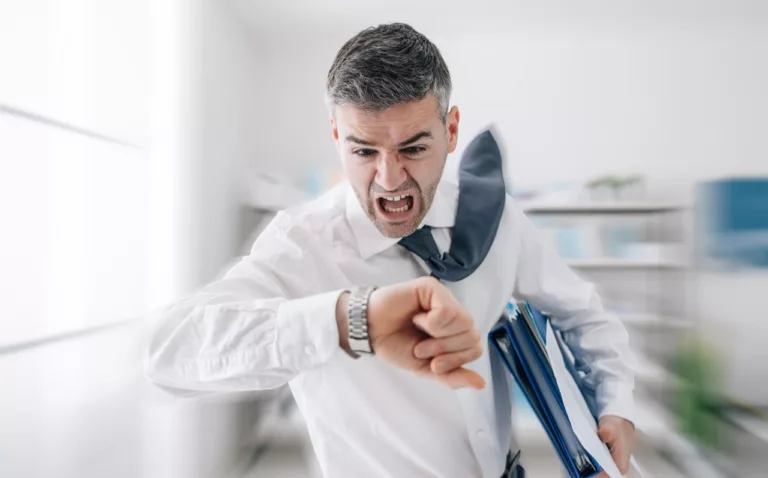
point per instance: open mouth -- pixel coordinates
(395, 206)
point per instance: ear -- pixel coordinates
(335, 132)
(452, 127)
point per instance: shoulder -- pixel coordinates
(514, 223)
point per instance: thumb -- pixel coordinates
(462, 378)
(606, 434)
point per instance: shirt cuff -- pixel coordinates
(615, 398)
(307, 334)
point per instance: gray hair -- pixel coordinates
(387, 65)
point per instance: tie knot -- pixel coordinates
(421, 243)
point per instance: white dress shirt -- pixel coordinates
(271, 320)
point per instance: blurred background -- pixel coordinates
(144, 145)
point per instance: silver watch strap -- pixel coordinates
(359, 341)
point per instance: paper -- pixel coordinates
(583, 423)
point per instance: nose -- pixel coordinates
(390, 171)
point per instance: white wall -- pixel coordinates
(82, 62)
(203, 68)
(74, 236)
(229, 75)
(674, 105)
(120, 126)
(212, 120)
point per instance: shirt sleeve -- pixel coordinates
(598, 340)
(242, 332)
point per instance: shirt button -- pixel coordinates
(480, 433)
(309, 349)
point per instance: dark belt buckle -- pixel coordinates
(513, 468)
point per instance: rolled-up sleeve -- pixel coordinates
(598, 340)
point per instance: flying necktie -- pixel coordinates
(481, 204)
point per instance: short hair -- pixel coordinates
(387, 65)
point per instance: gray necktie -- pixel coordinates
(481, 204)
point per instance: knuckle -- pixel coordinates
(441, 319)
(438, 367)
(474, 335)
(465, 317)
(446, 319)
(427, 281)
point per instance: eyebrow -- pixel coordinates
(416, 137)
(423, 134)
(354, 139)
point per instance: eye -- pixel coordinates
(365, 153)
(413, 150)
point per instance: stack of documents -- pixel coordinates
(544, 369)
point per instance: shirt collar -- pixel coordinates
(370, 241)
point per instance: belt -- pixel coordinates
(513, 468)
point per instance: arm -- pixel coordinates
(597, 339)
(242, 333)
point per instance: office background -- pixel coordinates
(143, 145)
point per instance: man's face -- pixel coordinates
(394, 159)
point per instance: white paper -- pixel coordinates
(583, 423)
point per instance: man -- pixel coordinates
(426, 403)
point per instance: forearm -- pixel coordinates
(601, 343)
(239, 343)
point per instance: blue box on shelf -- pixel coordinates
(733, 217)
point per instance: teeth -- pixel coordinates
(396, 209)
(395, 198)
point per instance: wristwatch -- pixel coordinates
(357, 313)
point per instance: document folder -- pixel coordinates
(521, 342)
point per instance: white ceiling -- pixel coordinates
(478, 16)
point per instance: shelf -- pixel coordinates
(619, 263)
(650, 320)
(600, 208)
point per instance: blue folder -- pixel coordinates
(520, 342)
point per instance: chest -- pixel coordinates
(484, 293)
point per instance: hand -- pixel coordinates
(420, 326)
(619, 434)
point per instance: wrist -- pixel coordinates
(352, 321)
(342, 320)
(357, 321)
